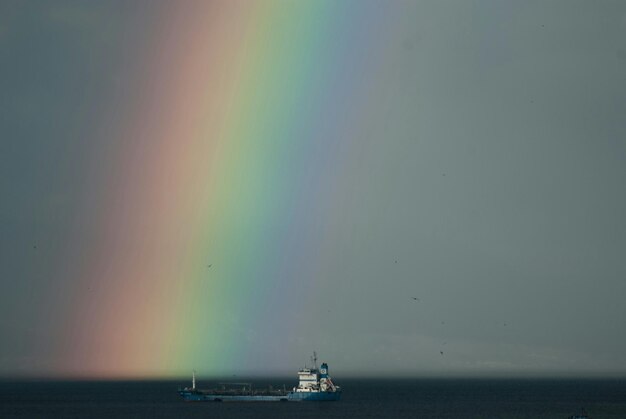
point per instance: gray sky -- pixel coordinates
(487, 182)
(504, 195)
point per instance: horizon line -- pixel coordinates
(165, 377)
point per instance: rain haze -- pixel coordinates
(417, 188)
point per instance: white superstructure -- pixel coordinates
(312, 380)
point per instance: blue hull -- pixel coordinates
(192, 396)
(314, 397)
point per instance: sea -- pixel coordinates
(361, 398)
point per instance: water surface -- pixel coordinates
(363, 398)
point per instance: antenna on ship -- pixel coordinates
(193, 380)
(314, 359)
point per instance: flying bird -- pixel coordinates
(415, 298)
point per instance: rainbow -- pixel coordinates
(208, 198)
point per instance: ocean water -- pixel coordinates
(364, 398)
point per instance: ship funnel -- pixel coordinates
(324, 371)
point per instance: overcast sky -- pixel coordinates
(477, 226)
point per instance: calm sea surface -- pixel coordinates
(361, 399)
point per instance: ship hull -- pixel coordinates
(196, 396)
(321, 396)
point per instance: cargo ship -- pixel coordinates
(314, 385)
